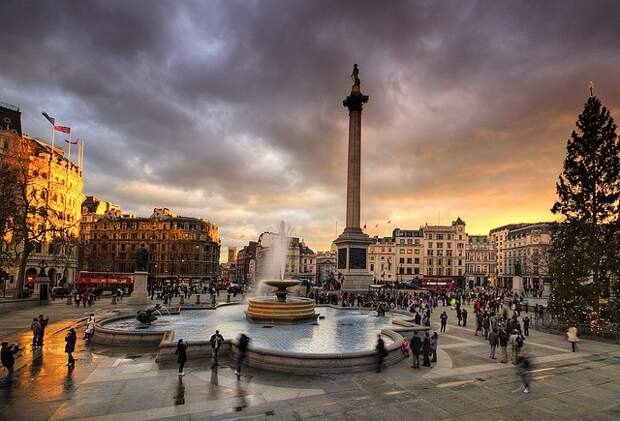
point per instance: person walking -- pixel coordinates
(444, 322)
(486, 325)
(459, 315)
(524, 366)
(493, 342)
(426, 350)
(216, 342)
(35, 327)
(503, 343)
(464, 314)
(243, 344)
(416, 349)
(572, 335)
(70, 340)
(42, 325)
(380, 348)
(181, 353)
(90, 327)
(434, 343)
(8, 361)
(526, 326)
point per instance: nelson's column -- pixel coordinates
(353, 243)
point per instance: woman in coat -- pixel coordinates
(70, 340)
(426, 350)
(181, 355)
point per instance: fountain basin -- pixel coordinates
(272, 310)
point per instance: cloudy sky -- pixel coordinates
(232, 110)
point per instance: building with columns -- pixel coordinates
(444, 247)
(480, 261)
(382, 259)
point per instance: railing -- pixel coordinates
(608, 331)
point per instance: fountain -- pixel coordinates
(279, 309)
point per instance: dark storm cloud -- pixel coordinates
(232, 110)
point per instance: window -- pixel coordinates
(401, 271)
(440, 236)
(416, 271)
(409, 241)
(429, 252)
(402, 260)
(409, 260)
(402, 251)
(430, 245)
(408, 271)
(416, 260)
(409, 251)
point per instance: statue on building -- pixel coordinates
(355, 75)
(142, 258)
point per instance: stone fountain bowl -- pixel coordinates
(282, 283)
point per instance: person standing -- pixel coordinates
(444, 322)
(416, 349)
(181, 353)
(572, 336)
(42, 325)
(526, 325)
(493, 342)
(216, 342)
(503, 343)
(70, 340)
(464, 314)
(35, 327)
(434, 343)
(90, 327)
(426, 350)
(380, 348)
(244, 342)
(459, 315)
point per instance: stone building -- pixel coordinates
(499, 236)
(246, 264)
(300, 259)
(326, 266)
(527, 255)
(409, 251)
(182, 249)
(480, 261)
(444, 247)
(381, 259)
(53, 185)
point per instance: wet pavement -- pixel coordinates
(116, 384)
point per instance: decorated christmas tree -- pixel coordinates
(584, 264)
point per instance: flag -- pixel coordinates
(389, 222)
(62, 129)
(364, 226)
(50, 119)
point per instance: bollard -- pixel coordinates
(197, 298)
(228, 298)
(113, 299)
(69, 300)
(182, 300)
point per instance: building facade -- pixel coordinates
(182, 249)
(53, 186)
(326, 266)
(381, 259)
(246, 264)
(527, 255)
(444, 247)
(480, 261)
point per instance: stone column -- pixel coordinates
(140, 294)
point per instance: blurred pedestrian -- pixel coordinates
(380, 348)
(42, 325)
(8, 360)
(216, 342)
(244, 342)
(70, 340)
(434, 343)
(572, 335)
(35, 327)
(426, 350)
(181, 353)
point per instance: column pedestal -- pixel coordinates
(139, 295)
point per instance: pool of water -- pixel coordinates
(340, 331)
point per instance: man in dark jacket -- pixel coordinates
(426, 350)
(70, 340)
(464, 314)
(8, 361)
(493, 342)
(416, 349)
(244, 342)
(42, 325)
(216, 342)
(381, 352)
(503, 343)
(444, 322)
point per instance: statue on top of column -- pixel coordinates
(355, 75)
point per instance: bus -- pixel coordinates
(104, 281)
(437, 284)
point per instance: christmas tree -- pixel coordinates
(584, 259)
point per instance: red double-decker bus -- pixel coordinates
(104, 281)
(437, 284)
